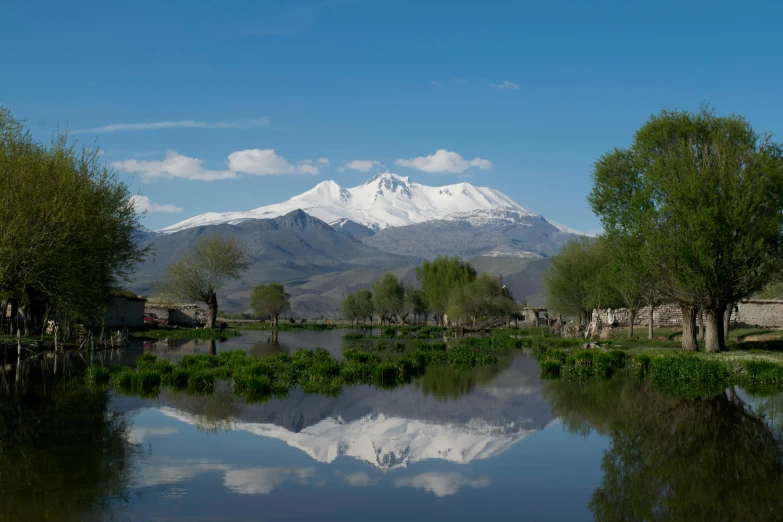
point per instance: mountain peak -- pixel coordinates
(386, 200)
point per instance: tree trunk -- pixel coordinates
(631, 318)
(727, 322)
(701, 324)
(714, 340)
(212, 348)
(689, 342)
(14, 319)
(212, 309)
(651, 323)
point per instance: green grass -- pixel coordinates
(210, 334)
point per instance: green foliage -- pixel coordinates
(388, 295)
(480, 304)
(269, 300)
(67, 225)
(689, 376)
(201, 273)
(704, 194)
(440, 277)
(358, 306)
(576, 279)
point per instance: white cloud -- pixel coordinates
(323, 161)
(436, 84)
(360, 480)
(362, 165)
(506, 85)
(174, 165)
(444, 161)
(266, 163)
(460, 81)
(143, 204)
(178, 124)
(441, 484)
(261, 481)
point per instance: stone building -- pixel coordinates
(124, 312)
(187, 314)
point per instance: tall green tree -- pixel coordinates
(201, 273)
(577, 279)
(349, 308)
(706, 195)
(364, 305)
(389, 298)
(270, 300)
(481, 304)
(438, 278)
(67, 226)
(415, 303)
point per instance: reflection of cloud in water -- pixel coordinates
(360, 480)
(137, 434)
(249, 481)
(442, 484)
(171, 471)
(261, 481)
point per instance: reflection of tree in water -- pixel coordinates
(212, 412)
(270, 347)
(62, 452)
(443, 382)
(675, 459)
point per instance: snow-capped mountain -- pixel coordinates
(387, 200)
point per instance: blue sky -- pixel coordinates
(188, 99)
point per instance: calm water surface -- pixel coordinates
(492, 443)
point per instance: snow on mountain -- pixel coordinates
(387, 200)
(388, 442)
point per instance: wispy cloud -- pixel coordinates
(443, 162)
(460, 81)
(176, 124)
(143, 204)
(436, 84)
(511, 86)
(362, 165)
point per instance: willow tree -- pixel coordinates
(388, 295)
(705, 194)
(67, 227)
(201, 273)
(439, 278)
(481, 304)
(577, 280)
(270, 300)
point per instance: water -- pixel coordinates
(491, 443)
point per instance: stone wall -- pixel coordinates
(762, 313)
(765, 313)
(668, 315)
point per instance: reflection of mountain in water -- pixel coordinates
(390, 429)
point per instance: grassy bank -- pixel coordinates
(208, 334)
(315, 371)
(399, 332)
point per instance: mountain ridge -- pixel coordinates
(385, 201)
